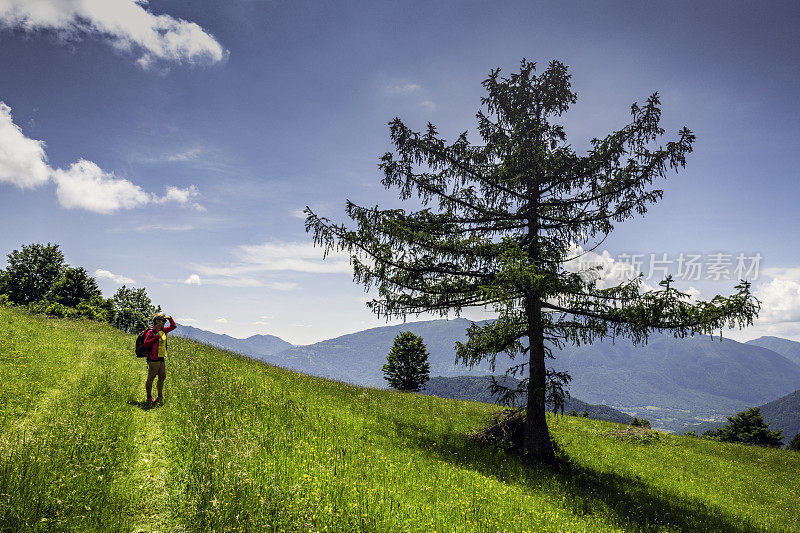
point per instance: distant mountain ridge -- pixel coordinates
(783, 414)
(253, 346)
(358, 357)
(787, 348)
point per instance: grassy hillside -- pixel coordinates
(476, 388)
(672, 382)
(239, 445)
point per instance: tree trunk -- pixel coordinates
(537, 435)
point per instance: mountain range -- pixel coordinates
(671, 382)
(254, 346)
(783, 414)
(785, 347)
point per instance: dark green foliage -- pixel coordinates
(32, 272)
(73, 287)
(641, 423)
(747, 427)
(407, 367)
(501, 219)
(690, 434)
(585, 414)
(132, 310)
(573, 413)
(794, 444)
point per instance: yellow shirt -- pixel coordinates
(162, 344)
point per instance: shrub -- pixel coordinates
(794, 444)
(747, 427)
(641, 423)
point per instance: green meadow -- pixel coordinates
(242, 446)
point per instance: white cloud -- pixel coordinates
(221, 320)
(126, 24)
(185, 320)
(301, 257)
(187, 155)
(86, 186)
(22, 160)
(163, 227)
(116, 278)
(261, 323)
(292, 256)
(428, 104)
(193, 279)
(605, 269)
(402, 88)
(780, 301)
(298, 213)
(180, 197)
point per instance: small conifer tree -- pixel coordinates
(747, 427)
(794, 444)
(407, 367)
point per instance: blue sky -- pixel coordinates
(171, 145)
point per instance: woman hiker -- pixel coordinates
(155, 341)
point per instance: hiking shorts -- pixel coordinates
(156, 368)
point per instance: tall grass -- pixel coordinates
(241, 446)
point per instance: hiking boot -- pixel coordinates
(151, 400)
(159, 399)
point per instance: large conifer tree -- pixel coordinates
(501, 219)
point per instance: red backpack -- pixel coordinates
(139, 348)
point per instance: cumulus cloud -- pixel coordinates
(116, 278)
(221, 320)
(780, 301)
(600, 266)
(22, 160)
(180, 196)
(193, 279)
(185, 320)
(84, 185)
(126, 24)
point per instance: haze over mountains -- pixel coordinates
(672, 382)
(783, 414)
(785, 347)
(254, 346)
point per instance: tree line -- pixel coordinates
(38, 279)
